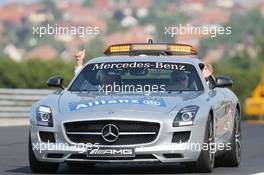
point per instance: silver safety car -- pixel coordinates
(141, 102)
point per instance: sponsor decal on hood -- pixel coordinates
(91, 103)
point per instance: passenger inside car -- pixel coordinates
(207, 71)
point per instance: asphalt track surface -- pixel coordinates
(14, 160)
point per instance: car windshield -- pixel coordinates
(137, 77)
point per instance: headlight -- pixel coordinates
(44, 116)
(185, 116)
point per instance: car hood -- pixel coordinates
(72, 102)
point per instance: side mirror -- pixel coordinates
(223, 82)
(55, 81)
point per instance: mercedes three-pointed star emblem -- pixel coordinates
(110, 132)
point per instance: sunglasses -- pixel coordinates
(182, 79)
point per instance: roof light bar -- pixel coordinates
(170, 49)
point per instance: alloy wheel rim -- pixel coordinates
(211, 144)
(237, 137)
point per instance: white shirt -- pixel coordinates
(77, 69)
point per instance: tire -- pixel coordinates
(37, 166)
(205, 162)
(232, 157)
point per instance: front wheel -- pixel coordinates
(37, 166)
(205, 162)
(232, 157)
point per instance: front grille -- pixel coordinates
(135, 128)
(180, 137)
(124, 126)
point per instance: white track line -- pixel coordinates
(261, 173)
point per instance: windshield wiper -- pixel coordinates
(80, 91)
(178, 91)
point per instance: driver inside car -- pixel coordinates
(178, 81)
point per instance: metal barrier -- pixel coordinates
(16, 103)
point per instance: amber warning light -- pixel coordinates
(169, 49)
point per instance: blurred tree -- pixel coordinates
(94, 49)
(244, 27)
(240, 60)
(113, 26)
(32, 73)
(50, 6)
(88, 3)
(162, 20)
(260, 48)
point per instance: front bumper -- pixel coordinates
(160, 150)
